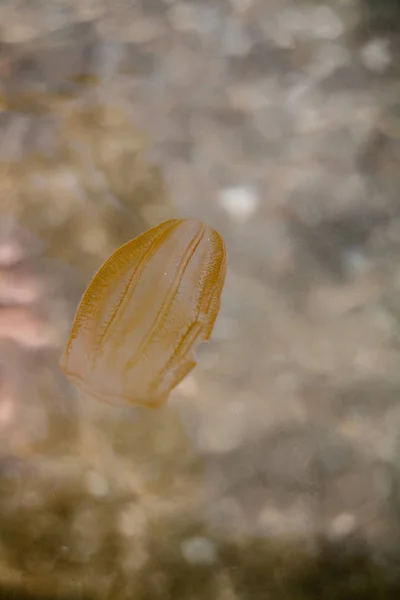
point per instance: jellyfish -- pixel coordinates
(146, 310)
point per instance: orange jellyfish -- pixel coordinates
(148, 307)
